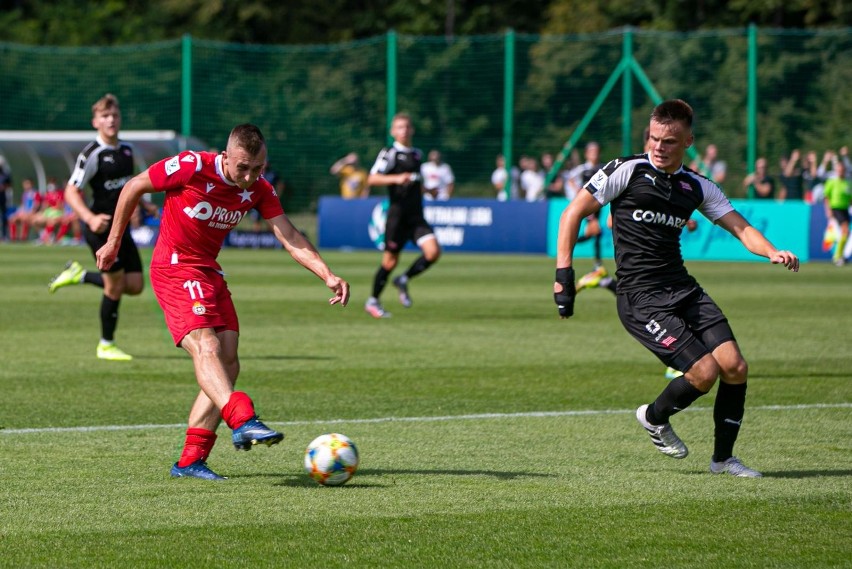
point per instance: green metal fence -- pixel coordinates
(756, 92)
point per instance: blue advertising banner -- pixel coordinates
(787, 225)
(473, 225)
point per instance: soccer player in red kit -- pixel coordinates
(206, 196)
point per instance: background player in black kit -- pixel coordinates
(398, 167)
(106, 165)
(651, 198)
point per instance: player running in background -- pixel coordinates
(206, 196)
(398, 168)
(663, 307)
(105, 165)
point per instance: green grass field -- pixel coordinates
(492, 434)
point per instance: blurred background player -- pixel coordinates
(398, 168)
(837, 199)
(105, 165)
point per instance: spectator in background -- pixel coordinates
(532, 182)
(5, 199)
(710, 166)
(837, 201)
(438, 179)
(792, 176)
(759, 184)
(21, 221)
(50, 218)
(579, 177)
(556, 187)
(499, 178)
(353, 177)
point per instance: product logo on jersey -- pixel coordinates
(599, 179)
(198, 309)
(655, 329)
(172, 166)
(116, 184)
(652, 178)
(188, 158)
(657, 218)
(109, 158)
(219, 217)
(210, 186)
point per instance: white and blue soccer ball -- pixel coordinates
(331, 459)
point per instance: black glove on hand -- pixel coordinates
(565, 299)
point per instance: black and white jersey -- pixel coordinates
(106, 169)
(399, 159)
(649, 210)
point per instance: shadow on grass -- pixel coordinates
(806, 473)
(386, 476)
(183, 356)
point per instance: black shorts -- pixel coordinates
(128, 259)
(840, 215)
(399, 230)
(680, 324)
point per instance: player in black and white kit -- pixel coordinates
(398, 168)
(105, 165)
(651, 197)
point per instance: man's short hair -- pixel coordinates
(248, 137)
(671, 111)
(105, 103)
(402, 116)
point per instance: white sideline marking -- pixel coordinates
(531, 414)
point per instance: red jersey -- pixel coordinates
(201, 207)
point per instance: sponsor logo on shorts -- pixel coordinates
(660, 334)
(198, 309)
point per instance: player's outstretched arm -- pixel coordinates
(756, 242)
(306, 255)
(131, 193)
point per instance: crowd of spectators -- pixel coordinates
(798, 177)
(42, 217)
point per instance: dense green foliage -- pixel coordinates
(492, 434)
(70, 22)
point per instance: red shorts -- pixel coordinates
(193, 298)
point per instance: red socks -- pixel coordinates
(198, 444)
(238, 410)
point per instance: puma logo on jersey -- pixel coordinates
(652, 178)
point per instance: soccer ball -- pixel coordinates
(331, 459)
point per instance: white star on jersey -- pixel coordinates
(245, 196)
